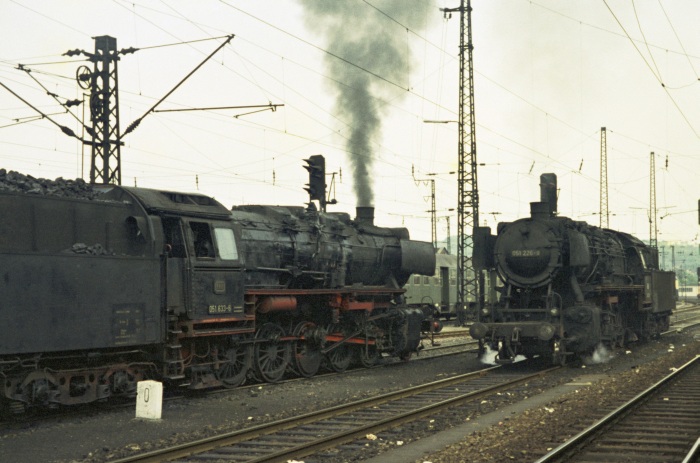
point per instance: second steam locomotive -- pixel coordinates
(97, 294)
(568, 286)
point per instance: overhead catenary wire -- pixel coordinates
(658, 77)
(63, 128)
(680, 42)
(346, 61)
(646, 43)
(135, 124)
(389, 153)
(65, 104)
(206, 39)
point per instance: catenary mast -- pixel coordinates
(467, 187)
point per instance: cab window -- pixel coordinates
(226, 244)
(202, 240)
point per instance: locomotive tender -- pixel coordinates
(568, 286)
(96, 295)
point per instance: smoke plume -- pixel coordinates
(357, 33)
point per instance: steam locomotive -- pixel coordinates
(567, 286)
(98, 294)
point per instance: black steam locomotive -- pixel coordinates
(568, 286)
(98, 294)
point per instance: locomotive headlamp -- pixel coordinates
(545, 331)
(554, 311)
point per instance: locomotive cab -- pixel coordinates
(203, 269)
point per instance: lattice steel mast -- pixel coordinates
(448, 241)
(604, 211)
(105, 166)
(652, 203)
(433, 210)
(467, 187)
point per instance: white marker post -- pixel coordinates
(149, 399)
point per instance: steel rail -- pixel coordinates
(338, 438)
(680, 329)
(688, 317)
(570, 447)
(694, 453)
(413, 415)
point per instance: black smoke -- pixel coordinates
(368, 55)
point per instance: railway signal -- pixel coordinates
(316, 165)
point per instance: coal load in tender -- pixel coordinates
(20, 183)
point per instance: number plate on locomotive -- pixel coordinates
(220, 308)
(525, 253)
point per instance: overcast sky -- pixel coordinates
(548, 75)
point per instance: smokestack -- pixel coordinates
(365, 215)
(540, 210)
(548, 192)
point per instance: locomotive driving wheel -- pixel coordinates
(307, 352)
(339, 357)
(234, 364)
(271, 356)
(368, 355)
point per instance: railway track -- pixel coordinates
(687, 322)
(686, 317)
(304, 435)
(18, 419)
(659, 425)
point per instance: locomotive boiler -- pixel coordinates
(568, 286)
(97, 294)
